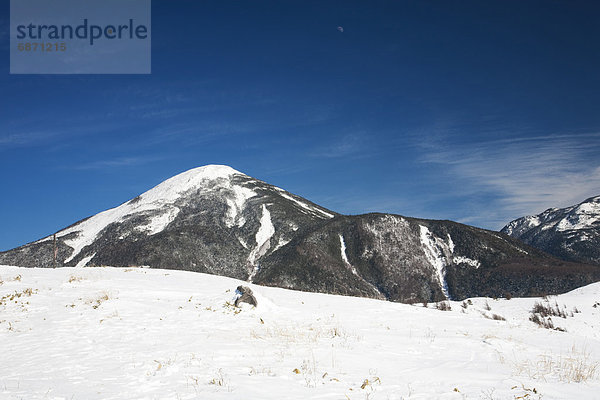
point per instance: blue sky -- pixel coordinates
(475, 111)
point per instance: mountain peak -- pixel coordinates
(594, 199)
(212, 171)
(209, 201)
(195, 178)
(571, 233)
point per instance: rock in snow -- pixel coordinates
(245, 295)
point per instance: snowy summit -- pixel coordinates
(571, 233)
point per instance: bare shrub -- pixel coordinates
(368, 386)
(487, 306)
(16, 295)
(443, 306)
(97, 301)
(308, 370)
(526, 393)
(219, 379)
(545, 322)
(311, 333)
(577, 366)
(546, 310)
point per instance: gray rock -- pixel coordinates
(245, 295)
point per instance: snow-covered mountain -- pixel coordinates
(410, 260)
(217, 220)
(211, 219)
(571, 233)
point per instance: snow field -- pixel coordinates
(107, 333)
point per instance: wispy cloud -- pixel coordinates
(24, 133)
(351, 145)
(120, 162)
(24, 138)
(523, 175)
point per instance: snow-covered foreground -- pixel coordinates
(105, 333)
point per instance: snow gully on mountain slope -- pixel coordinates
(345, 256)
(437, 251)
(263, 240)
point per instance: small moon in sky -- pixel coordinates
(341, 29)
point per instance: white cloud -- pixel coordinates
(345, 146)
(116, 163)
(524, 175)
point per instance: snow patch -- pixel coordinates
(313, 210)
(159, 222)
(450, 243)
(436, 251)
(513, 246)
(345, 256)
(242, 242)
(263, 240)
(466, 260)
(84, 261)
(282, 242)
(584, 216)
(532, 222)
(236, 205)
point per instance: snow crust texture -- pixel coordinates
(136, 333)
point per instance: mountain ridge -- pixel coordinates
(217, 220)
(571, 233)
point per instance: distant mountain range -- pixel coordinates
(571, 233)
(217, 220)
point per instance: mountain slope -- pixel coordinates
(411, 260)
(571, 233)
(217, 220)
(138, 334)
(211, 219)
